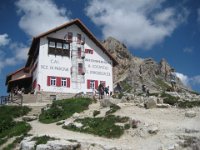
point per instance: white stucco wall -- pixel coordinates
(98, 65)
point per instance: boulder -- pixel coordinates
(134, 123)
(150, 102)
(63, 145)
(27, 144)
(76, 115)
(190, 114)
(29, 118)
(78, 125)
(43, 147)
(105, 102)
(162, 105)
(153, 130)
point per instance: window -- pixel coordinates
(80, 69)
(53, 81)
(63, 82)
(58, 47)
(92, 84)
(58, 81)
(79, 52)
(65, 46)
(52, 44)
(69, 36)
(89, 51)
(79, 38)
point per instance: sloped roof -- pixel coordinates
(81, 26)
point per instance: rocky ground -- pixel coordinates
(168, 128)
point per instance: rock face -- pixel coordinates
(120, 53)
(136, 71)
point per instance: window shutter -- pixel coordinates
(96, 84)
(68, 82)
(88, 84)
(58, 81)
(48, 80)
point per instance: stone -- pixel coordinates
(153, 130)
(27, 145)
(134, 123)
(76, 115)
(68, 121)
(105, 102)
(150, 102)
(190, 114)
(160, 101)
(29, 118)
(78, 125)
(63, 145)
(43, 147)
(162, 105)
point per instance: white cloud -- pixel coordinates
(188, 81)
(138, 23)
(4, 40)
(195, 80)
(184, 78)
(39, 16)
(188, 50)
(17, 54)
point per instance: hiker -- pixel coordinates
(143, 88)
(101, 91)
(173, 79)
(107, 90)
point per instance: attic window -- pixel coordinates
(58, 47)
(89, 51)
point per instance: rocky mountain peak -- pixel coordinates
(135, 72)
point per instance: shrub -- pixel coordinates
(96, 112)
(162, 84)
(102, 126)
(168, 99)
(113, 108)
(127, 126)
(188, 104)
(63, 109)
(120, 95)
(42, 139)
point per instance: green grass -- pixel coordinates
(10, 128)
(188, 104)
(102, 126)
(169, 99)
(42, 140)
(18, 129)
(113, 108)
(13, 145)
(162, 84)
(14, 111)
(125, 86)
(63, 109)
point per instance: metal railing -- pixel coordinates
(4, 100)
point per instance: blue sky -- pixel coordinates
(159, 29)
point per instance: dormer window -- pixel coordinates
(58, 47)
(79, 38)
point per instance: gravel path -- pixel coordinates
(171, 123)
